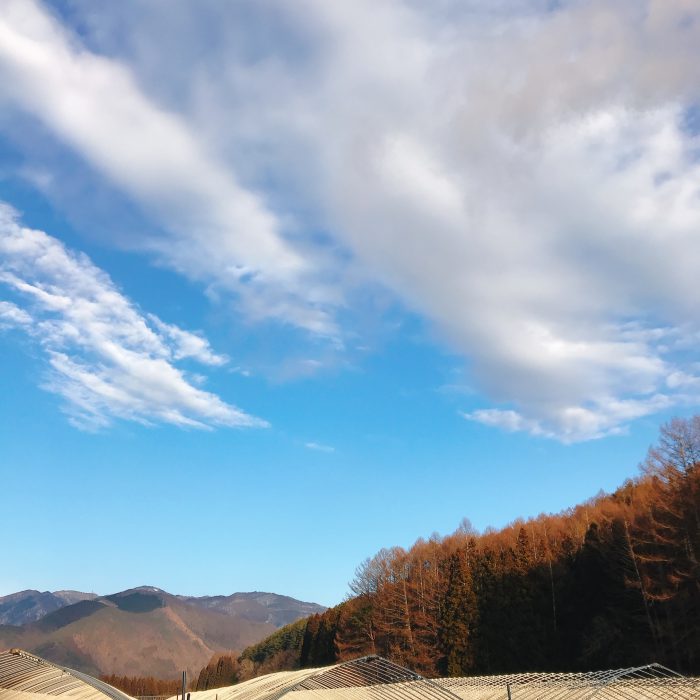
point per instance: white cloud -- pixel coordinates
(575, 423)
(187, 344)
(508, 420)
(318, 447)
(220, 231)
(543, 212)
(106, 360)
(12, 316)
(524, 177)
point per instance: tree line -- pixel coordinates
(612, 582)
(138, 686)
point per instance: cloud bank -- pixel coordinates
(220, 232)
(105, 359)
(526, 177)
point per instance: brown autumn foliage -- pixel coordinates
(612, 582)
(143, 685)
(222, 670)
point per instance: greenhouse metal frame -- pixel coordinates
(24, 676)
(375, 678)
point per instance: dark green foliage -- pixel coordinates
(458, 624)
(318, 647)
(289, 638)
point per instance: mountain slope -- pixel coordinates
(277, 610)
(148, 632)
(29, 606)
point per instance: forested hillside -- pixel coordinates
(612, 582)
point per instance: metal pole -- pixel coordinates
(508, 689)
(184, 684)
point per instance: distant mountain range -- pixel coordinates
(29, 606)
(142, 631)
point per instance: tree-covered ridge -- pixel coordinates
(277, 644)
(282, 649)
(612, 582)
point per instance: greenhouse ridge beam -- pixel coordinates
(370, 677)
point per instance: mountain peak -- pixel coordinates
(30, 605)
(118, 628)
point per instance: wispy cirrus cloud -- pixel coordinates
(185, 344)
(12, 316)
(219, 231)
(319, 447)
(105, 359)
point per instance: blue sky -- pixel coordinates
(281, 286)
